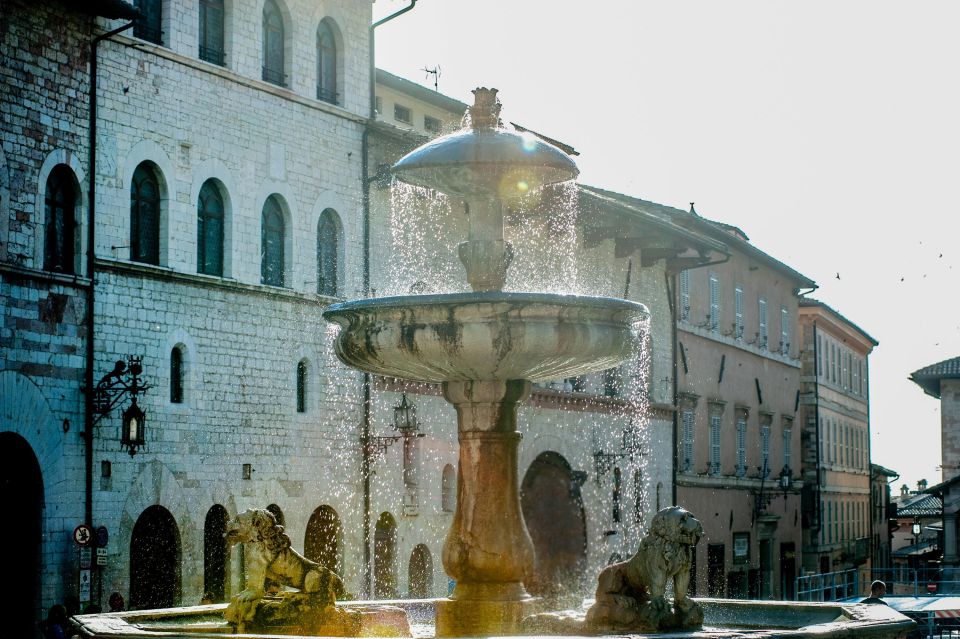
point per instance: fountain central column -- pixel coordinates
(488, 550)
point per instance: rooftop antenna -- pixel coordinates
(435, 71)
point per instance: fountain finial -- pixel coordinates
(485, 112)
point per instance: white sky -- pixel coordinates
(827, 131)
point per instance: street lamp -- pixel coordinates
(405, 417)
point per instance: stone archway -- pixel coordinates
(553, 511)
(154, 560)
(385, 558)
(215, 553)
(323, 541)
(420, 573)
(21, 494)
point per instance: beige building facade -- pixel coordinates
(738, 376)
(835, 414)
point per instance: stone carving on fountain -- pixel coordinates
(631, 594)
(272, 568)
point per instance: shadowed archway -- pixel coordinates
(21, 493)
(323, 541)
(553, 511)
(385, 558)
(154, 560)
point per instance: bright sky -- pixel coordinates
(828, 131)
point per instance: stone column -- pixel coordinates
(488, 550)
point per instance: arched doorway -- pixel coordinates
(154, 560)
(384, 558)
(553, 510)
(420, 573)
(323, 540)
(21, 494)
(215, 553)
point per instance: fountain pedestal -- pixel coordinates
(488, 550)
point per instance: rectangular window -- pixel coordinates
(738, 309)
(714, 444)
(762, 319)
(431, 124)
(863, 382)
(765, 446)
(684, 295)
(402, 114)
(846, 371)
(687, 460)
(378, 104)
(788, 445)
(714, 302)
(784, 331)
(819, 347)
(741, 446)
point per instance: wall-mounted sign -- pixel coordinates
(741, 548)
(84, 586)
(101, 556)
(83, 535)
(86, 555)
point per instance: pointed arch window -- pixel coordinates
(273, 44)
(328, 248)
(210, 230)
(211, 31)
(272, 243)
(302, 386)
(59, 221)
(176, 375)
(326, 63)
(145, 216)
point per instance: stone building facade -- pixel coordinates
(738, 382)
(835, 417)
(942, 381)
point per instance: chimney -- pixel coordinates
(904, 491)
(921, 485)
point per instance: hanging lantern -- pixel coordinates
(133, 423)
(405, 416)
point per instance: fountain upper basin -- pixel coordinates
(486, 336)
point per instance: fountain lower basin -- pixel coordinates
(486, 336)
(724, 619)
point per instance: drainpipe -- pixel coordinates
(668, 279)
(816, 428)
(91, 261)
(365, 459)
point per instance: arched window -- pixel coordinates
(176, 375)
(302, 386)
(59, 220)
(272, 241)
(328, 248)
(277, 514)
(326, 63)
(147, 26)
(637, 496)
(273, 44)
(210, 230)
(448, 489)
(145, 216)
(211, 31)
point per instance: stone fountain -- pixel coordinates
(486, 348)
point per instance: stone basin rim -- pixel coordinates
(634, 311)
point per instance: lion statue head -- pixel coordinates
(257, 526)
(676, 525)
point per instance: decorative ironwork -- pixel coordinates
(763, 497)
(404, 422)
(123, 381)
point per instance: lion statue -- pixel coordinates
(269, 559)
(630, 594)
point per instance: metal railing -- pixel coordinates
(829, 586)
(900, 580)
